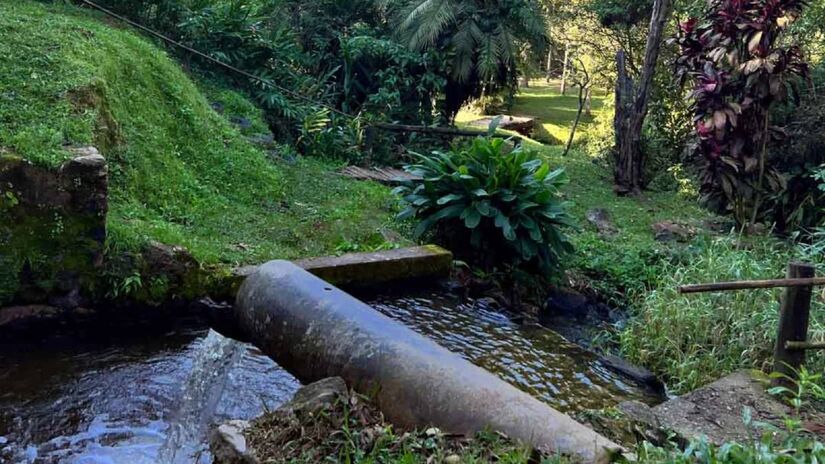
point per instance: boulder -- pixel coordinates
(602, 220)
(668, 231)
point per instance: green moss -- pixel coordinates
(46, 250)
(179, 172)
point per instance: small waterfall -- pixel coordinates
(201, 394)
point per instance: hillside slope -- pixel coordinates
(179, 172)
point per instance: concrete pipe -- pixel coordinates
(315, 330)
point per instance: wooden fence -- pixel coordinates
(794, 314)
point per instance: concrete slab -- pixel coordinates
(362, 269)
(367, 269)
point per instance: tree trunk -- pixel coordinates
(631, 106)
(564, 68)
(549, 62)
(588, 103)
(582, 99)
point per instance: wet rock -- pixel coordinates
(566, 303)
(602, 220)
(72, 299)
(667, 231)
(637, 373)
(228, 444)
(26, 314)
(629, 423)
(168, 260)
(639, 412)
(218, 107)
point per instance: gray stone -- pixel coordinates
(317, 396)
(602, 220)
(639, 412)
(366, 269)
(668, 231)
(228, 444)
(716, 410)
(637, 373)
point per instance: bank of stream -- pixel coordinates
(146, 396)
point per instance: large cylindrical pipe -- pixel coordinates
(315, 330)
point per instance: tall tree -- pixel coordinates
(482, 39)
(631, 106)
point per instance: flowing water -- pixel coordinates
(129, 399)
(532, 358)
(134, 396)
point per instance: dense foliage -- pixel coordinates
(739, 70)
(506, 203)
(482, 41)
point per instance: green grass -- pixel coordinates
(179, 172)
(555, 112)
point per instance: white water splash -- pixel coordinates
(184, 442)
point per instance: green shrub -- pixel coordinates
(508, 203)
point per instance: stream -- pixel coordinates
(149, 396)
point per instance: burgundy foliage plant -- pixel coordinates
(739, 68)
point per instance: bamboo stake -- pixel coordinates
(805, 345)
(750, 284)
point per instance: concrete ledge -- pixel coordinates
(383, 266)
(365, 269)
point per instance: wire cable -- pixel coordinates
(215, 60)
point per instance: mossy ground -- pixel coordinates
(179, 172)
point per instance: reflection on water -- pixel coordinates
(117, 400)
(134, 397)
(532, 358)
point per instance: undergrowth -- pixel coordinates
(352, 430)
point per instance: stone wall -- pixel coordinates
(52, 228)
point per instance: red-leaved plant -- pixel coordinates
(738, 70)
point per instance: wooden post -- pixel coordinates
(794, 313)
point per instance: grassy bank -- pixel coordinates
(180, 173)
